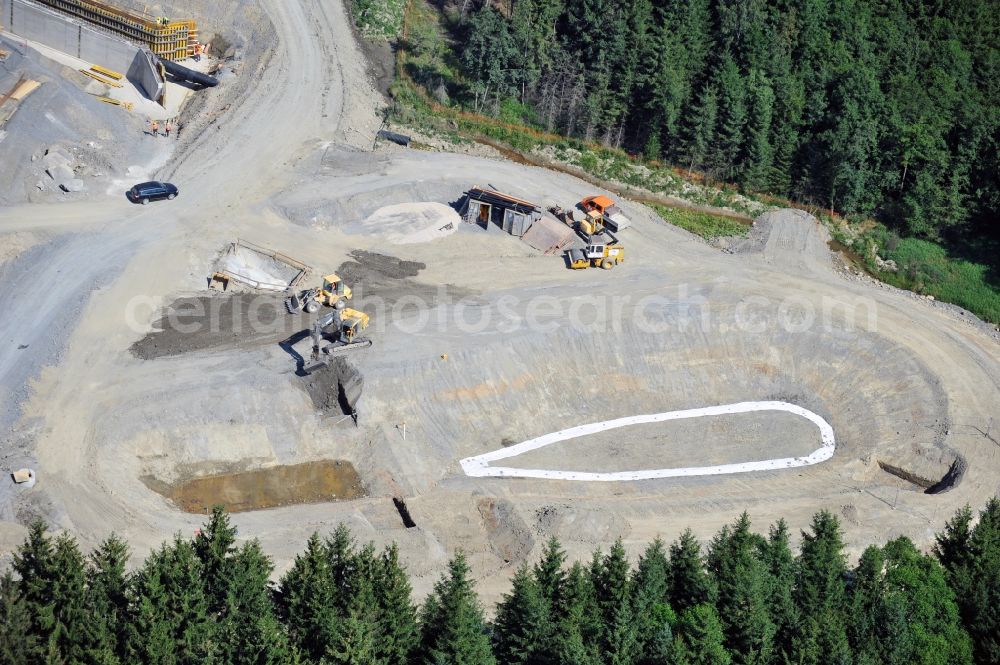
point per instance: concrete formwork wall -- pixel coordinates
(63, 33)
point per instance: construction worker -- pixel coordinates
(155, 126)
(168, 127)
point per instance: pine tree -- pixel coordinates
(215, 546)
(306, 601)
(522, 631)
(688, 584)
(398, 631)
(15, 626)
(452, 626)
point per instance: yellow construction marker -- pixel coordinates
(110, 73)
(98, 77)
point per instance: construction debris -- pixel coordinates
(10, 101)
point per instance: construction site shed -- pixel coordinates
(513, 215)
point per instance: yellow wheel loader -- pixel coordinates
(597, 253)
(332, 293)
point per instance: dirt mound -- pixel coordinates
(508, 535)
(379, 279)
(219, 321)
(335, 389)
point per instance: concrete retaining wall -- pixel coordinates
(145, 76)
(66, 34)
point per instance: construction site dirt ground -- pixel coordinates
(125, 380)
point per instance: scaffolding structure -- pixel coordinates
(170, 40)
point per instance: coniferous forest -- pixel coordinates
(741, 598)
(886, 109)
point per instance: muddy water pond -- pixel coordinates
(311, 482)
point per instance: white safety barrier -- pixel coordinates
(480, 464)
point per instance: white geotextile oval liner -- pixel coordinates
(479, 465)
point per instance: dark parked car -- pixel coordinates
(145, 192)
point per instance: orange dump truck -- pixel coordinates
(611, 215)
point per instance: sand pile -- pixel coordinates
(408, 223)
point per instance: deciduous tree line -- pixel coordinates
(875, 107)
(745, 598)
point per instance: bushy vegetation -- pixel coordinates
(746, 598)
(701, 223)
(379, 19)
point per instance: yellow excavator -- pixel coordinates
(332, 293)
(343, 325)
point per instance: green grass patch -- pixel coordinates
(703, 224)
(379, 19)
(926, 267)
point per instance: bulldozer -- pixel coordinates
(343, 325)
(332, 293)
(599, 252)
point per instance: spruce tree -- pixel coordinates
(780, 564)
(215, 546)
(22, 645)
(397, 632)
(652, 612)
(249, 631)
(35, 568)
(743, 592)
(522, 631)
(550, 576)
(699, 639)
(579, 628)
(108, 596)
(452, 626)
(342, 563)
(306, 601)
(172, 622)
(822, 568)
(355, 642)
(688, 584)
(974, 578)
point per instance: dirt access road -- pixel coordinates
(680, 326)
